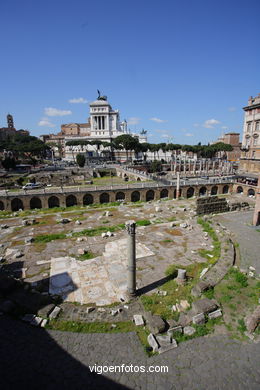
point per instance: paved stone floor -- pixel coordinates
(100, 280)
(34, 358)
(240, 224)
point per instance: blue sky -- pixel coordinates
(181, 70)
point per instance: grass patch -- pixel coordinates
(97, 231)
(143, 222)
(44, 238)
(87, 256)
(101, 327)
(211, 255)
(167, 240)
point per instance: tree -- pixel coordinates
(8, 163)
(80, 158)
(127, 142)
(156, 166)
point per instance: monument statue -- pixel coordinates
(101, 97)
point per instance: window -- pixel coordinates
(249, 126)
(257, 126)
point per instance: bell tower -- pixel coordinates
(10, 121)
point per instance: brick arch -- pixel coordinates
(251, 191)
(164, 193)
(2, 206)
(225, 189)
(71, 200)
(53, 201)
(190, 192)
(16, 204)
(240, 190)
(135, 196)
(149, 195)
(214, 190)
(35, 203)
(120, 195)
(104, 197)
(87, 199)
(203, 191)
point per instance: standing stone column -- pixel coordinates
(200, 166)
(178, 186)
(131, 255)
(213, 167)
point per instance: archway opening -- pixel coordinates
(135, 196)
(104, 198)
(120, 195)
(53, 201)
(149, 195)
(214, 190)
(190, 192)
(251, 192)
(87, 199)
(240, 190)
(225, 189)
(35, 203)
(164, 193)
(16, 204)
(2, 206)
(71, 200)
(202, 191)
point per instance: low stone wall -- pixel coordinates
(211, 204)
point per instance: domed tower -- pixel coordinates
(10, 121)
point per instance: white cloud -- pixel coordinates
(196, 124)
(158, 120)
(133, 120)
(189, 135)
(210, 123)
(78, 100)
(232, 109)
(50, 111)
(165, 136)
(45, 122)
(224, 127)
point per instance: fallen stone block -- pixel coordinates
(198, 319)
(46, 310)
(138, 320)
(252, 320)
(78, 222)
(28, 317)
(153, 342)
(155, 323)
(55, 312)
(204, 305)
(44, 323)
(36, 321)
(175, 329)
(164, 340)
(29, 240)
(167, 348)
(215, 314)
(189, 330)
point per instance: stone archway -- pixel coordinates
(149, 195)
(135, 196)
(53, 201)
(16, 204)
(120, 195)
(71, 200)
(202, 191)
(240, 190)
(104, 198)
(164, 193)
(35, 203)
(87, 199)
(190, 192)
(2, 206)
(214, 190)
(251, 192)
(225, 189)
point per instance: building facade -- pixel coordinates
(250, 157)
